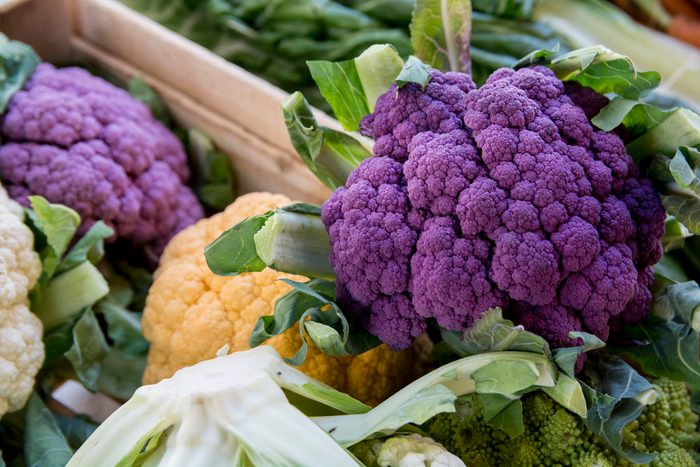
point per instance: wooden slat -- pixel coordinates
(258, 164)
(43, 24)
(7, 5)
(211, 81)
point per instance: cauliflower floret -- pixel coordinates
(80, 141)
(21, 349)
(504, 196)
(406, 451)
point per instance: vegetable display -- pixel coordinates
(275, 39)
(191, 313)
(22, 351)
(80, 141)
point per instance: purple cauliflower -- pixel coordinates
(80, 141)
(504, 196)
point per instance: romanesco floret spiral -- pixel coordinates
(556, 437)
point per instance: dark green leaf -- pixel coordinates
(234, 251)
(616, 397)
(45, 445)
(675, 234)
(121, 374)
(88, 349)
(340, 84)
(637, 117)
(57, 341)
(303, 208)
(683, 172)
(124, 329)
(671, 269)
(142, 92)
(503, 413)
(566, 357)
(331, 155)
(212, 175)
(76, 429)
(414, 71)
(440, 33)
(491, 333)
(537, 57)
(17, 64)
(89, 247)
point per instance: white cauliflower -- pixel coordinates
(405, 451)
(21, 347)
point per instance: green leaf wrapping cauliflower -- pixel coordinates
(21, 347)
(411, 450)
(555, 436)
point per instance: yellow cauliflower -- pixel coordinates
(191, 313)
(21, 348)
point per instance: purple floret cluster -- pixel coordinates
(80, 141)
(504, 196)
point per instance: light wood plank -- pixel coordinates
(258, 164)
(211, 81)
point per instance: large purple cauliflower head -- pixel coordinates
(80, 141)
(499, 196)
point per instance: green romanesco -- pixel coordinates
(556, 437)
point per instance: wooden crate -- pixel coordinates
(240, 111)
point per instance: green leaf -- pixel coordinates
(76, 429)
(58, 224)
(143, 449)
(683, 173)
(503, 413)
(675, 234)
(340, 84)
(89, 248)
(505, 377)
(142, 92)
(637, 117)
(88, 349)
(566, 357)
(123, 328)
(414, 71)
(671, 269)
(440, 33)
(604, 71)
(537, 57)
(17, 64)
(377, 68)
(491, 332)
(617, 397)
(45, 445)
(234, 251)
(331, 155)
(212, 175)
(121, 374)
(680, 128)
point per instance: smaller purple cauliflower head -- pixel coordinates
(504, 196)
(82, 142)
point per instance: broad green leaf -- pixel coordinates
(566, 357)
(414, 71)
(17, 64)
(537, 57)
(45, 445)
(58, 224)
(333, 398)
(331, 155)
(675, 234)
(123, 328)
(680, 128)
(76, 429)
(88, 349)
(121, 374)
(604, 71)
(234, 251)
(143, 92)
(90, 247)
(683, 173)
(503, 413)
(492, 333)
(340, 84)
(617, 396)
(378, 67)
(440, 33)
(568, 392)
(637, 117)
(506, 377)
(671, 269)
(684, 206)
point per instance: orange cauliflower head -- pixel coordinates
(191, 313)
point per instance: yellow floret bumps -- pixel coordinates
(191, 313)
(21, 348)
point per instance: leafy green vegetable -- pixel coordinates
(17, 63)
(440, 33)
(90, 247)
(668, 338)
(234, 251)
(89, 347)
(76, 429)
(331, 155)
(45, 445)
(352, 87)
(414, 71)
